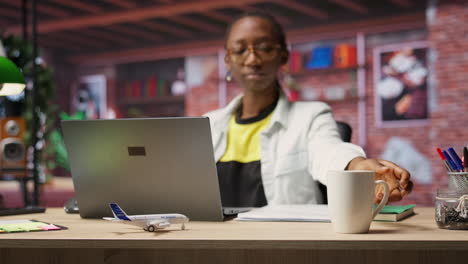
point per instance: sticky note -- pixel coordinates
(8, 226)
(50, 227)
(12, 228)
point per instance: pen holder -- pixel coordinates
(451, 209)
(458, 181)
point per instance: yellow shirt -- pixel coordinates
(239, 169)
(243, 142)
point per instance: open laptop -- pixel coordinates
(146, 165)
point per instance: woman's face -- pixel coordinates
(254, 54)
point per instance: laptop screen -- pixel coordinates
(148, 166)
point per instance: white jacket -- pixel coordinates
(298, 147)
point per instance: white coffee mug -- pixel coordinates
(351, 200)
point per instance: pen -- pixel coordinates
(452, 165)
(465, 158)
(444, 159)
(455, 159)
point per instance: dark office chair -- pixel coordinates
(345, 131)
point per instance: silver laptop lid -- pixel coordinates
(148, 166)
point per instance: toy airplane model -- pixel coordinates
(148, 222)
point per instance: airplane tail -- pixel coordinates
(118, 212)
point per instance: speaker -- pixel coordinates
(12, 147)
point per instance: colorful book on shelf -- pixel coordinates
(152, 83)
(128, 90)
(136, 89)
(344, 56)
(295, 63)
(321, 57)
(394, 213)
(160, 87)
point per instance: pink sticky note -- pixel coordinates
(50, 227)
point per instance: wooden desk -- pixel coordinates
(414, 240)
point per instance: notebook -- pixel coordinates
(394, 213)
(146, 165)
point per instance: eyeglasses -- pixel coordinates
(265, 51)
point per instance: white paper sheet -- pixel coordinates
(287, 213)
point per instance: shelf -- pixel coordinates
(305, 72)
(347, 99)
(153, 100)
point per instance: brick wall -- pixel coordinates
(201, 99)
(448, 37)
(378, 137)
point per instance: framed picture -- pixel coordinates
(400, 84)
(90, 96)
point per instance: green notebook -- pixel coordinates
(394, 213)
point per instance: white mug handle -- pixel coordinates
(385, 198)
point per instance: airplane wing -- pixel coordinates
(159, 223)
(110, 219)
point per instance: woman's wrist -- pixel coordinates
(354, 163)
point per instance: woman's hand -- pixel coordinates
(397, 178)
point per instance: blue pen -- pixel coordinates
(465, 158)
(455, 159)
(452, 165)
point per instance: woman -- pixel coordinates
(269, 150)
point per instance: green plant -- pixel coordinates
(21, 53)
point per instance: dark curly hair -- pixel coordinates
(277, 28)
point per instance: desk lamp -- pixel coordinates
(12, 83)
(11, 80)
